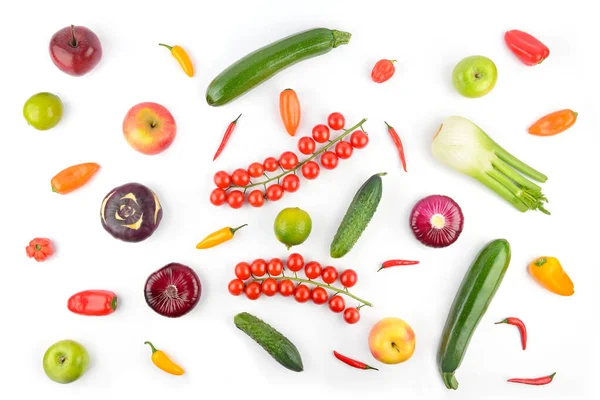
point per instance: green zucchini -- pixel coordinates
(470, 304)
(277, 345)
(262, 64)
(357, 217)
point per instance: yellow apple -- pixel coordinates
(392, 341)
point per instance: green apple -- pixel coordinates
(43, 110)
(474, 76)
(66, 361)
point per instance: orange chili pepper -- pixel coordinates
(182, 58)
(548, 272)
(289, 108)
(73, 177)
(553, 123)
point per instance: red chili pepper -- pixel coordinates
(383, 70)
(351, 362)
(393, 263)
(527, 48)
(93, 302)
(544, 380)
(519, 324)
(398, 144)
(226, 136)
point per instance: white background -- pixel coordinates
(427, 39)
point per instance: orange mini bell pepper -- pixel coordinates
(290, 110)
(549, 273)
(182, 58)
(73, 177)
(553, 123)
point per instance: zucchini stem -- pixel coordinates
(340, 38)
(450, 380)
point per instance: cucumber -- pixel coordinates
(260, 65)
(357, 217)
(470, 304)
(277, 345)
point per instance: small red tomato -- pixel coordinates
(288, 160)
(337, 304)
(319, 295)
(329, 275)
(329, 160)
(336, 121)
(256, 198)
(255, 170)
(258, 267)
(222, 179)
(236, 287)
(383, 70)
(235, 199)
(311, 170)
(243, 271)
(290, 183)
(253, 290)
(269, 287)
(306, 145)
(320, 133)
(344, 150)
(359, 139)
(312, 270)
(274, 192)
(218, 197)
(240, 177)
(270, 164)
(286, 287)
(295, 262)
(351, 315)
(302, 293)
(348, 278)
(275, 267)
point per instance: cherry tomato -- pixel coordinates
(256, 170)
(288, 160)
(256, 198)
(343, 150)
(218, 197)
(320, 133)
(312, 270)
(286, 287)
(359, 139)
(243, 271)
(270, 164)
(311, 170)
(236, 287)
(235, 199)
(306, 145)
(337, 304)
(222, 179)
(274, 192)
(329, 160)
(329, 275)
(319, 295)
(295, 262)
(336, 121)
(269, 287)
(258, 267)
(253, 290)
(302, 293)
(240, 177)
(351, 315)
(348, 278)
(275, 267)
(290, 183)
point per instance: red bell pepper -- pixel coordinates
(527, 48)
(93, 302)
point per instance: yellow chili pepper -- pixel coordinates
(182, 58)
(218, 237)
(162, 361)
(548, 272)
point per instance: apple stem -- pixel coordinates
(477, 75)
(395, 347)
(61, 359)
(73, 41)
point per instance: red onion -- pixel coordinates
(173, 290)
(436, 221)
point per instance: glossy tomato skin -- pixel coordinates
(235, 199)
(270, 164)
(295, 262)
(290, 183)
(320, 133)
(286, 287)
(336, 121)
(312, 270)
(256, 169)
(240, 177)
(329, 275)
(236, 287)
(269, 287)
(275, 267)
(253, 290)
(359, 139)
(306, 145)
(218, 197)
(319, 295)
(222, 179)
(351, 315)
(243, 270)
(275, 192)
(383, 70)
(348, 278)
(344, 150)
(310, 170)
(302, 293)
(329, 160)
(337, 304)
(258, 267)
(256, 198)
(288, 160)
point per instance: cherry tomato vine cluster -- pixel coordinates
(261, 277)
(238, 187)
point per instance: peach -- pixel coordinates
(149, 128)
(392, 341)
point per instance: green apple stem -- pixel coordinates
(62, 359)
(73, 41)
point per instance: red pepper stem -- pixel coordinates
(388, 125)
(235, 120)
(152, 347)
(234, 230)
(380, 268)
(166, 45)
(113, 303)
(504, 321)
(73, 41)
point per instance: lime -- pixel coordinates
(292, 226)
(43, 111)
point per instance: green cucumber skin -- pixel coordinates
(474, 295)
(262, 64)
(277, 345)
(357, 217)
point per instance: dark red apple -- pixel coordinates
(75, 50)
